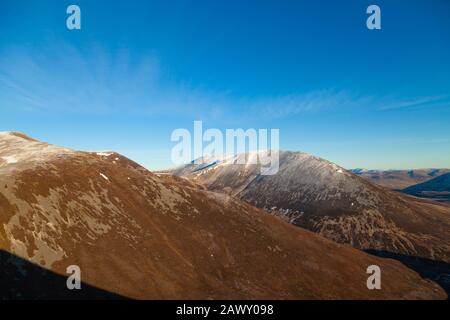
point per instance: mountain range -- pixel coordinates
(399, 179)
(318, 195)
(137, 234)
(437, 189)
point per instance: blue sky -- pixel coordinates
(137, 70)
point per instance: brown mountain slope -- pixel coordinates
(318, 195)
(146, 236)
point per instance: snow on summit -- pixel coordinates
(19, 150)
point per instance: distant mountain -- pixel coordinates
(399, 179)
(316, 194)
(436, 189)
(139, 235)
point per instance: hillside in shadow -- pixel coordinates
(437, 271)
(21, 279)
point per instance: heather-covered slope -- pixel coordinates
(318, 195)
(140, 235)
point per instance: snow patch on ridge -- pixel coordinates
(10, 159)
(104, 177)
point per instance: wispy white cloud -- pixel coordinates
(416, 102)
(316, 101)
(63, 79)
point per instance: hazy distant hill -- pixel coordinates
(399, 179)
(436, 189)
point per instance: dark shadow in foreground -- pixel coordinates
(437, 271)
(21, 279)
